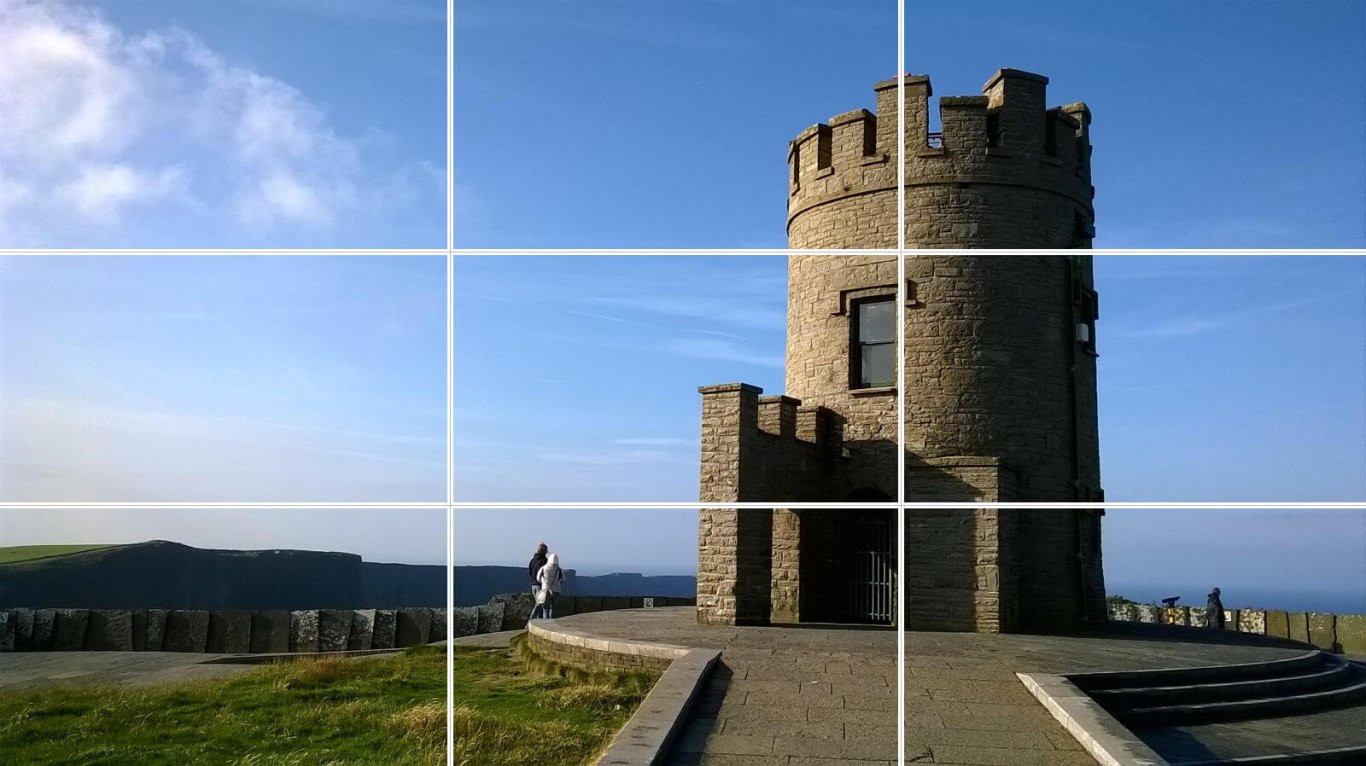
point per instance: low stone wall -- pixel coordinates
(217, 631)
(590, 653)
(1341, 633)
(511, 611)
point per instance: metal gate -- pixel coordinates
(864, 548)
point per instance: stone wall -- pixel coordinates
(597, 655)
(218, 631)
(511, 611)
(1341, 633)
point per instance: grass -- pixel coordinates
(389, 710)
(16, 553)
(512, 707)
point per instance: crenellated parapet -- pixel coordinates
(755, 447)
(1003, 158)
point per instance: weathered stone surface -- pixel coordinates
(615, 602)
(413, 626)
(155, 637)
(589, 604)
(1252, 621)
(187, 630)
(1277, 623)
(517, 610)
(1199, 617)
(7, 620)
(110, 630)
(565, 606)
(334, 629)
(386, 628)
(270, 632)
(1321, 633)
(43, 622)
(23, 630)
(465, 621)
(68, 630)
(138, 618)
(1351, 634)
(1299, 626)
(303, 630)
(362, 629)
(491, 617)
(229, 631)
(438, 630)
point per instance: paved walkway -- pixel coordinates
(29, 670)
(964, 704)
(800, 696)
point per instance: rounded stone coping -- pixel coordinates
(645, 739)
(585, 640)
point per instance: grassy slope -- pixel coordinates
(509, 710)
(16, 553)
(390, 710)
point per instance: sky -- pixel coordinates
(240, 123)
(221, 378)
(1216, 125)
(404, 536)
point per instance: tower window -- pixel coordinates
(874, 335)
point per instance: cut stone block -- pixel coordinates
(1351, 634)
(612, 603)
(7, 620)
(43, 621)
(334, 629)
(229, 631)
(362, 629)
(68, 630)
(1299, 626)
(1199, 617)
(187, 630)
(413, 626)
(23, 630)
(465, 621)
(1252, 621)
(588, 604)
(564, 606)
(270, 632)
(491, 617)
(138, 620)
(385, 629)
(156, 630)
(517, 610)
(1321, 632)
(303, 630)
(110, 630)
(438, 631)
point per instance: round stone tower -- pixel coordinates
(1000, 349)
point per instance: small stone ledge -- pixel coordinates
(645, 739)
(1103, 737)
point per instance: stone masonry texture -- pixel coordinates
(999, 369)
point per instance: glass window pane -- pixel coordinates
(876, 365)
(876, 321)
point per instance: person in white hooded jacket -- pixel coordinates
(550, 577)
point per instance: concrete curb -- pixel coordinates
(1105, 738)
(645, 739)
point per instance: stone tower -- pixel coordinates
(1000, 377)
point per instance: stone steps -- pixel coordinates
(1332, 673)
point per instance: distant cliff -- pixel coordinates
(166, 575)
(475, 585)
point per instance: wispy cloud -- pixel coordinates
(724, 351)
(1182, 327)
(655, 441)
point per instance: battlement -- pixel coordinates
(1008, 135)
(751, 441)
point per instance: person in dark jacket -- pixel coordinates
(537, 561)
(1215, 615)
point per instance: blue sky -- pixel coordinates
(220, 378)
(241, 123)
(1217, 125)
(1222, 378)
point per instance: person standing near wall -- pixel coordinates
(1215, 607)
(550, 578)
(537, 561)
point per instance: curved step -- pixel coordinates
(1335, 671)
(1116, 679)
(1336, 755)
(1266, 707)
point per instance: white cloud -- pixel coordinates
(95, 122)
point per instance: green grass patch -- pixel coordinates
(386, 710)
(13, 554)
(513, 707)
